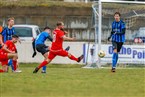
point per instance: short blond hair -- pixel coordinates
(59, 23)
(11, 18)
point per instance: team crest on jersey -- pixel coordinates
(118, 25)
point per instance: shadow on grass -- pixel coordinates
(52, 65)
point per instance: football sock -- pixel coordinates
(1, 70)
(44, 63)
(11, 64)
(15, 64)
(73, 58)
(44, 68)
(114, 60)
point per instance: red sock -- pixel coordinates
(73, 58)
(15, 64)
(44, 63)
(1, 70)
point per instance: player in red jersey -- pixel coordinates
(8, 51)
(10, 44)
(57, 47)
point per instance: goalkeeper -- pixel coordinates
(118, 38)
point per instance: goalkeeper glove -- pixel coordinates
(113, 32)
(109, 38)
(34, 54)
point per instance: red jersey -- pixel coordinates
(57, 43)
(10, 45)
(3, 57)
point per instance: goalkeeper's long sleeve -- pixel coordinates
(121, 33)
(50, 38)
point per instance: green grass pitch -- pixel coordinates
(73, 81)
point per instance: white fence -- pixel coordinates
(134, 54)
(128, 54)
(25, 52)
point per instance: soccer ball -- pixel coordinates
(101, 54)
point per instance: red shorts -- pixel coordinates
(3, 57)
(4, 62)
(53, 54)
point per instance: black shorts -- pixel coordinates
(117, 45)
(42, 48)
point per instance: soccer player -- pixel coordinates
(10, 44)
(7, 33)
(41, 47)
(118, 38)
(5, 55)
(57, 47)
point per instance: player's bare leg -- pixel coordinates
(14, 58)
(10, 56)
(5, 68)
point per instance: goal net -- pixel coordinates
(133, 50)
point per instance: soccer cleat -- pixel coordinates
(36, 70)
(67, 49)
(17, 71)
(80, 58)
(113, 70)
(43, 71)
(34, 54)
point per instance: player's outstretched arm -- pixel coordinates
(68, 38)
(1, 39)
(121, 33)
(110, 35)
(50, 38)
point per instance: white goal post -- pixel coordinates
(97, 11)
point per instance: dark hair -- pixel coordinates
(46, 28)
(1, 46)
(59, 23)
(117, 13)
(15, 36)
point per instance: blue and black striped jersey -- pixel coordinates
(7, 33)
(118, 27)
